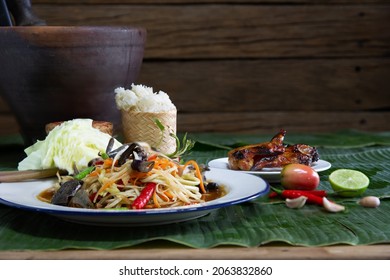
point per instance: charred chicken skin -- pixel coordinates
(271, 154)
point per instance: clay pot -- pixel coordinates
(51, 73)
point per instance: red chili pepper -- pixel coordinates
(273, 194)
(145, 195)
(320, 193)
(311, 198)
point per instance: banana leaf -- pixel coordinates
(260, 221)
(341, 139)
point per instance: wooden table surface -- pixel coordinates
(267, 252)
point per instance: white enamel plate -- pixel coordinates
(271, 175)
(240, 188)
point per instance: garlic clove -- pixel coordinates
(370, 201)
(331, 206)
(298, 202)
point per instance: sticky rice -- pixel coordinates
(141, 98)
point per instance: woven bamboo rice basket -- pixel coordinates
(142, 127)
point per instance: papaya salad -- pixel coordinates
(133, 176)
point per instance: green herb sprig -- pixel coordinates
(182, 147)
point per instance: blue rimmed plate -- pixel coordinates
(271, 175)
(240, 188)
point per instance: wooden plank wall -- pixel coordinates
(254, 65)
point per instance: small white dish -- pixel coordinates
(240, 188)
(271, 175)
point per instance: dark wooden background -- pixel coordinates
(254, 65)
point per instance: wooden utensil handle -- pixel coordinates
(18, 176)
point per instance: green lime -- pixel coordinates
(348, 182)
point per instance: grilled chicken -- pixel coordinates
(271, 154)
